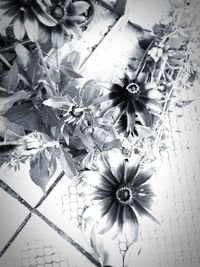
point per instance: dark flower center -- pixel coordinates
(133, 88)
(124, 195)
(58, 12)
(24, 3)
(76, 112)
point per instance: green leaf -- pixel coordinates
(23, 56)
(35, 70)
(39, 170)
(80, 7)
(67, 162)
(89, 92)
(67, 69)
(25, 116)
(12, 78)
(52, 163)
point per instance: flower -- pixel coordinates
(25, 17)
(77, 108)
(121, 192)
(69, 15)
(135, 99)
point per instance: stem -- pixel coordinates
(11, 47)
(45, 67)
(5, 61)
(143, 59)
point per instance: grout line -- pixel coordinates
(67, 238)
(107, 33)
(15, 234)
(6, 188)
(50, 189)
(16, 196)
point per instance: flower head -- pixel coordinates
(69, 15)
(136, 100)
(77, 108)
(122, 192)
(25, 17)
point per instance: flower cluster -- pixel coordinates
(49, 19)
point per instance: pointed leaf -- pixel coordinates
(23, 56)
(89, 92)
(35, 70)
(39, 171)
(12, 79)
(68, 70)
(67, 162)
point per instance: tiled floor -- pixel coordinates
(48, 237)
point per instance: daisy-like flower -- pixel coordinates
(135, 100)
(25, 17)
(78, 108)
(122, 194)
(69, 15)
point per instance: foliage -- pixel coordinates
(50, 116)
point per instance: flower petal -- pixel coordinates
(6, 18)
(31, 26)
(105, 171)
(94, 213)
(145, 196)
(143, 114)
(154, 94)
(57, 102)
(130, 224)
(115, 161)
(143, 176)
(154, 106)
(142, 211)
(18, 27)
(95, 179)
(131, 168)
(130, 118)
(44, 17)
(105, 224)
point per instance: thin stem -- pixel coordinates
(11, 47)
(143, 59)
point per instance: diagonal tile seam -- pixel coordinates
(3, 185)
(33, 210)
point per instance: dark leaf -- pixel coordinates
(35, 70)
(12, 79)
(67, 162)
(39, 170)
